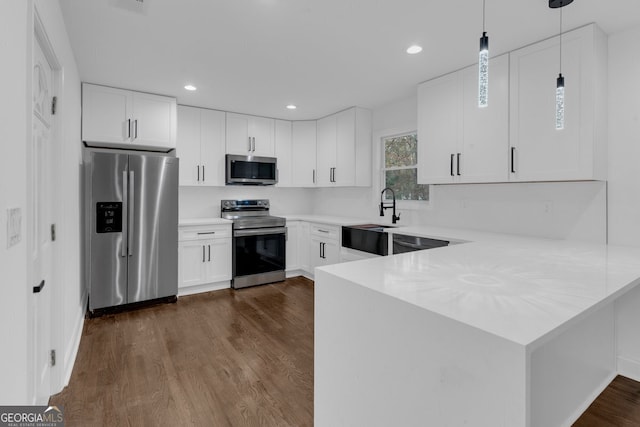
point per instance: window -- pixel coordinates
(400, 167)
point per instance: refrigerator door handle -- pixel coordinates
(125, 225)
(132, 196)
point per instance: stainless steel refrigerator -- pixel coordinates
(131, 227)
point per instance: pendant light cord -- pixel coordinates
(560, 40)
(483, 13)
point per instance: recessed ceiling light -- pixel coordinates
(291, 107)
(190, 87)
(413, 49)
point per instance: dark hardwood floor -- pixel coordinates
(221, 358)
(227, 358)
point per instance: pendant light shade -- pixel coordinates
(560, 102)
(483, 65)
(483, 71)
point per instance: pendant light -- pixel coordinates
(555, 4)
(483, 66)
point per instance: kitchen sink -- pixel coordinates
(370, 238)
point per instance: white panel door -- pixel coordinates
(542, 152)
(283, 151)
(344, 173)
(192, 263)
(439, 129)
(188, 145)
(212, 147)
(106, 114)
(485, 140)
(154, 120)
(304, 153)
(40, 220)
(326, 150)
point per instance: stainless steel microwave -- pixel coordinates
(251, 170)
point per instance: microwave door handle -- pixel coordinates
(249, 143)
(253, 139)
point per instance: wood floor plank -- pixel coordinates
(227, 358)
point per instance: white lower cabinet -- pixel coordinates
(204, 253)
(292, 262)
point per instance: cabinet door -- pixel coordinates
(262, 130)
(326, 150)
(543, 152)
(485, 141)
(218, 260)
(344, 173)
(292, 246)
(237, 140)
(439, 129)
(212, 147)
(191, 263)
(331, 252)
(284, 152)
(304, 154)
(105, 114)
(188, 145)
(315, 253)
(323, 252)
(154, 121)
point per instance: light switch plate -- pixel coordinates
(14, 226)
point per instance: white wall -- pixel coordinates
(13, 193)
(624, 180)
(70, 302)
(555, 210)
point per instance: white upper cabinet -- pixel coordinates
(458, 142)
(250, 135)
(303, 154)
(200, 146)
(122, 118)
(344, 149)
(577, 152)
(283, 142)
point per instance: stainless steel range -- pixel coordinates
(259, 242)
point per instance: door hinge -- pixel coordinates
(54, 101)
(53, 232)
(52, 357)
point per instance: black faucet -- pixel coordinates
(384, 206)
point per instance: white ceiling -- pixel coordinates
(256, 56)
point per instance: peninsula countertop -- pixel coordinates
(517, 288)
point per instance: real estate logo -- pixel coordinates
(31, 416)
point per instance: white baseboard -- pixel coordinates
(574, 417)
(629, 368)
(207, 287)
(72, 351)
(298, 272)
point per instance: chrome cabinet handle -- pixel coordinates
(254, 144)
(209, 246)
(198, 173)
(513, 161)
(202, 253)
(128, 128)
(135, 123)
(203, 173)
(314, 176)
(458, 163)
(249, 143)
(206, 232)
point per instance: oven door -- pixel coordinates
(258, 256)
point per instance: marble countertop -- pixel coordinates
(521, 289)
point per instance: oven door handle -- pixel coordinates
(259, 231)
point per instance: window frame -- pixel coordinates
(400, 204)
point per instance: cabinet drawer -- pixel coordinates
(325, 231)
(204, 232)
